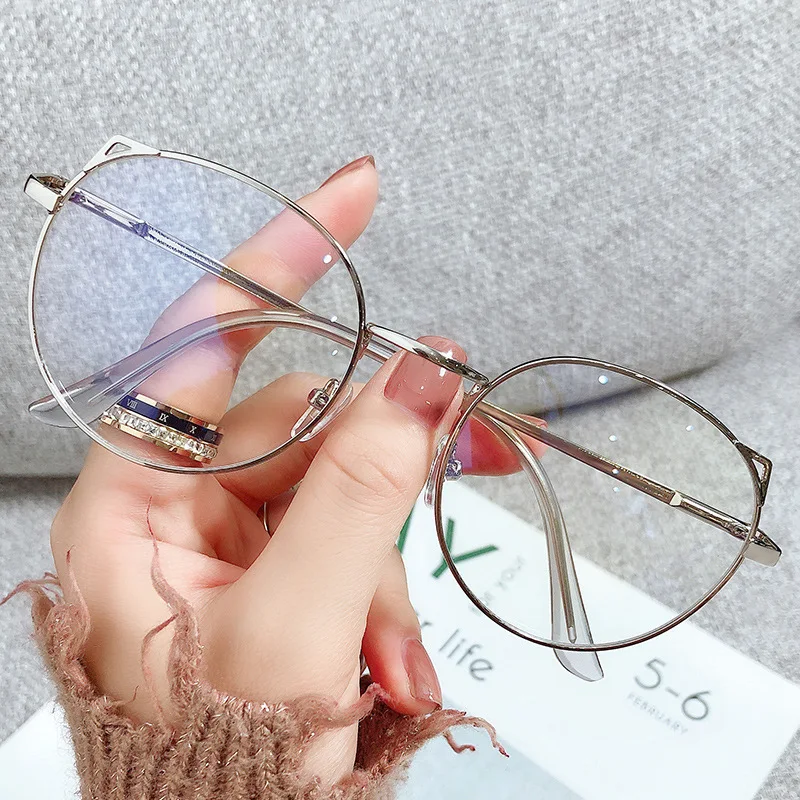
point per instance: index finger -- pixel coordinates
(288, 256)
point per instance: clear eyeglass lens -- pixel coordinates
(563, 526)
(123, 293)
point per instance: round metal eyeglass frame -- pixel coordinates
(570, 613)
(75, 404)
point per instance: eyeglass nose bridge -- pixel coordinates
(381, 335)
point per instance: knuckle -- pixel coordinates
(370, 475)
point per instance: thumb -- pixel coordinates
(326, 559)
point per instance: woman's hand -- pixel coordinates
(288, 616)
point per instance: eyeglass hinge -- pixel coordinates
(763, 550)
(45, 189)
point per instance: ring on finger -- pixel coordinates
(262, 515)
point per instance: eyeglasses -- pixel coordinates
(188, 372)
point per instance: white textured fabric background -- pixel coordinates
(604, 178)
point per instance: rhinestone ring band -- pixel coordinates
(165, 426)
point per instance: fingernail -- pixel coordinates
(351, 167)
(423, 388)
(422, 680)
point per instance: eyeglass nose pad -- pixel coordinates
(318, 401)
(453, 470)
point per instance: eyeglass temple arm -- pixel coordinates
(761, 549)
(166, 241)
(45, 189)
(93, 395)
(569, 620)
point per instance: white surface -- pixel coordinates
(36, 761)
(610, 740)
(613, 739)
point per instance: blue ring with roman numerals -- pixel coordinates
(172, 418)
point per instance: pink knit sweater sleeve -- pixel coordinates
(224, 748)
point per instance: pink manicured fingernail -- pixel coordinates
(351, 167)
(423, 388)
(422, 680)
